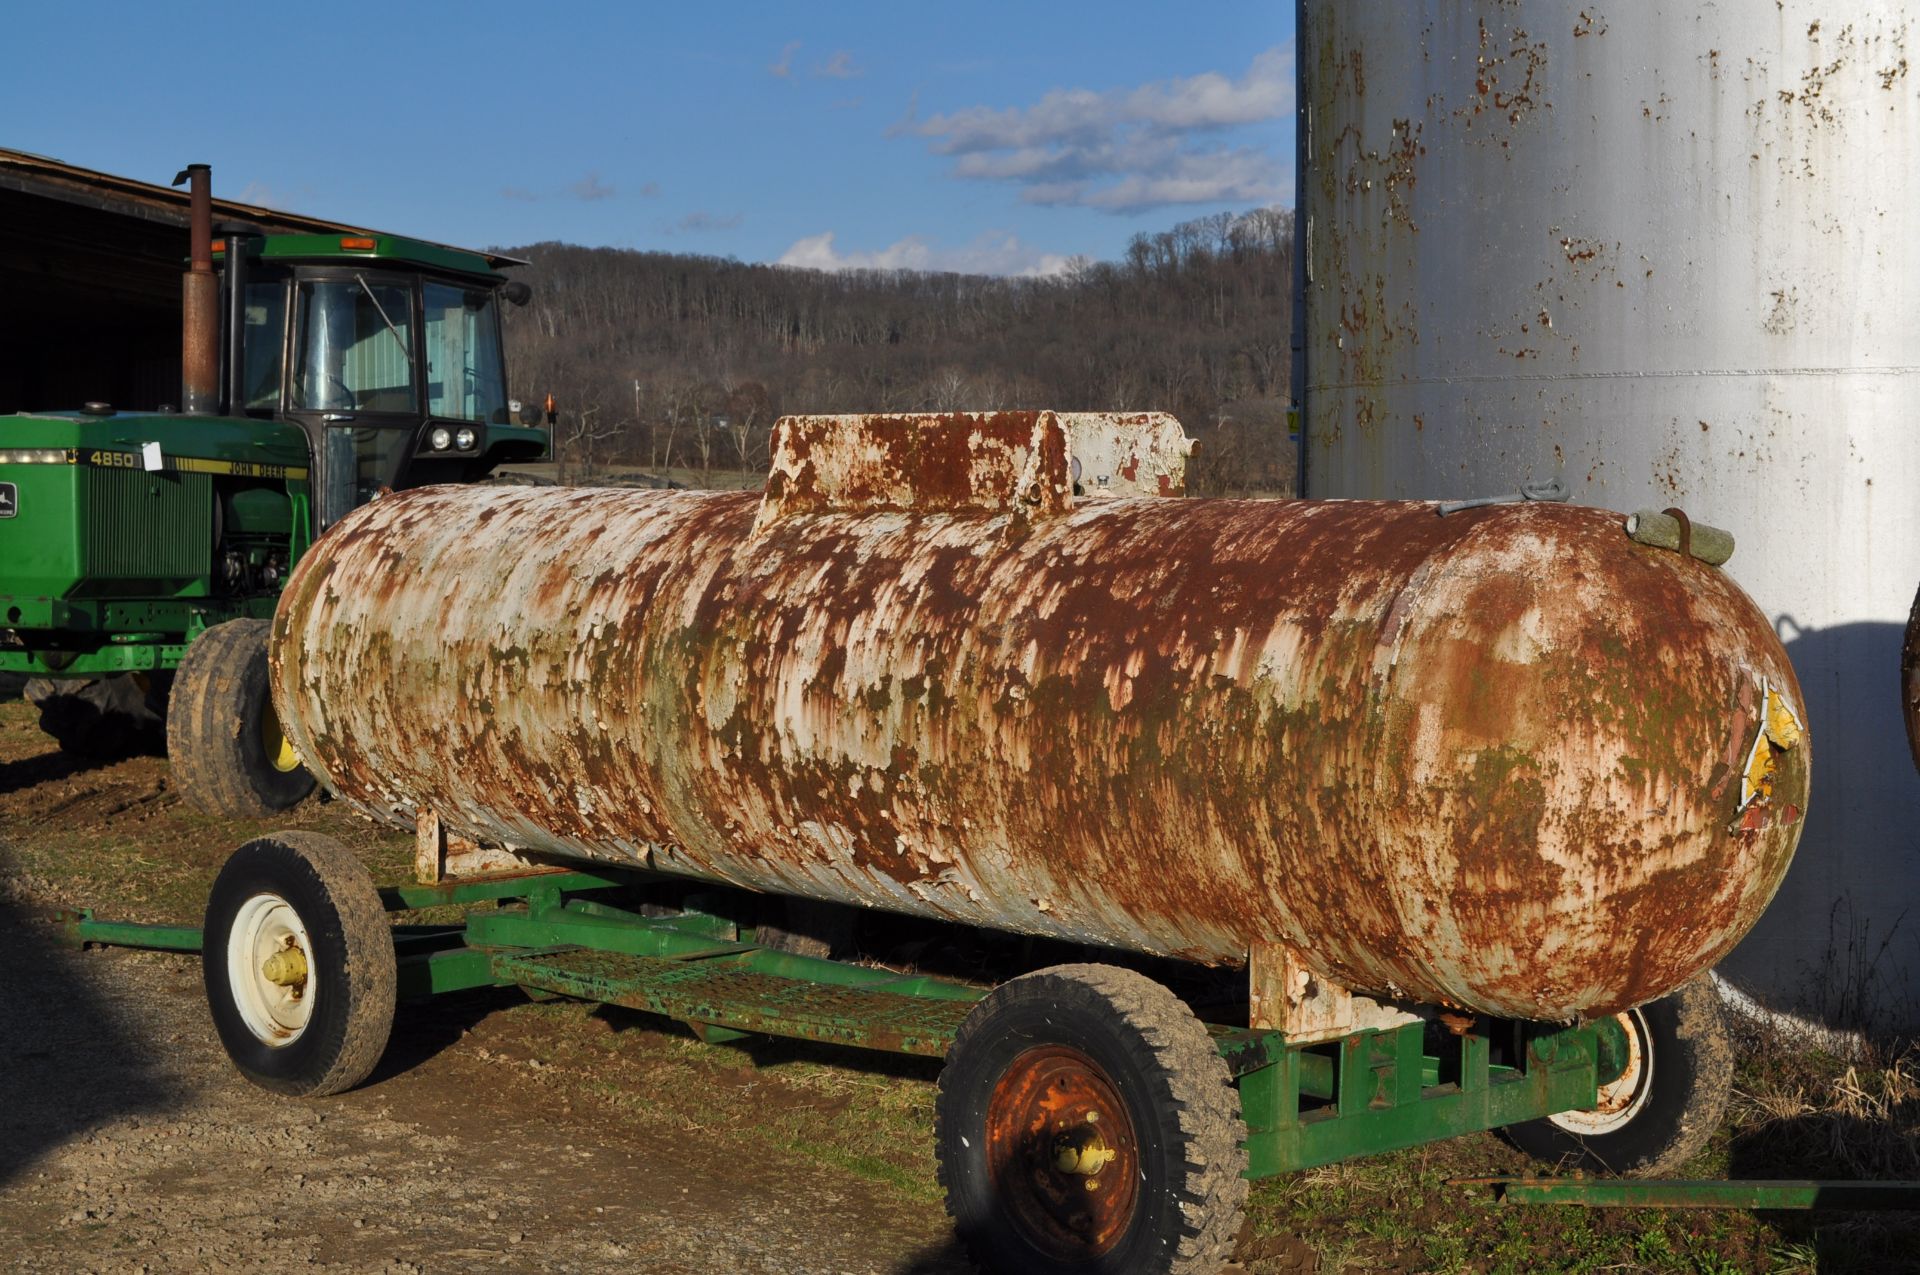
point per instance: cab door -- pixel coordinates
(353, 382)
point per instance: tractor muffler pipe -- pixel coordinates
(199, 301)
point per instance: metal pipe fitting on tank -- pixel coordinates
(1673, 530)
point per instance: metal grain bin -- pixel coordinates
(1667, 254)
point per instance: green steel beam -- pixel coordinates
(589, 924)
(733, 992)
(402, 898)
(1384, 1093)
(82, 930)
(455, 970)
(1655, 1193)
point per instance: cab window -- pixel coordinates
(465, 380)
(263, 341)
(356, 347)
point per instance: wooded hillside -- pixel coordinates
(665, 360)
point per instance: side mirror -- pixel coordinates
(517, 292)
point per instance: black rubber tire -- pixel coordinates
(221, 712)
(1177, 1092)
(103, 718)
(1685, 1034)
(352, 956)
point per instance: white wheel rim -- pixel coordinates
(1623, 1099)
(265, 926)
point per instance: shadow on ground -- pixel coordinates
(942, 1259)
(70, 1060)
(1827, 1145)
(42, 768)
(424, 1028)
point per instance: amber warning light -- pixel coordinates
(357, 244)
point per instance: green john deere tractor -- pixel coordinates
(141, 554)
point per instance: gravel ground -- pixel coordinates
(128, 1143)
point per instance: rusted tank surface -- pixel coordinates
(1507, 759)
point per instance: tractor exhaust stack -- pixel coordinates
(199, 302)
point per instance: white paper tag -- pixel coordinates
(150, 456)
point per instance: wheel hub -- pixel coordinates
(1622, 1098)
(274, 744)
(269, 969)
(1062, 1154)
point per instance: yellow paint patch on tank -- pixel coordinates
(1780, 731)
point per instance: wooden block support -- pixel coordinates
(1286, 996)
(438, 854)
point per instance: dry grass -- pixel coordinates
(1798, 1112)
(1812, 1114)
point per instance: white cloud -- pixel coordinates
(995, 252)
(1127, 149)
(702, 220)
(591, 188)
(261, 195)
(838, 67)
(784, 67)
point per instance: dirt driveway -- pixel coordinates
(496, 1134)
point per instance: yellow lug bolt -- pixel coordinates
(1085, 1158)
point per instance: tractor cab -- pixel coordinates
(142, 553)
(385, 351)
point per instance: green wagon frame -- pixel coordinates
(1134, 1160)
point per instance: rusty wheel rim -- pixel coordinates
(1062, 1154)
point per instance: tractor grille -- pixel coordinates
(141, 525)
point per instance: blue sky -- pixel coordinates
(998, 137)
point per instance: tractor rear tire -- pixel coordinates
(1664, 1109)
(103, 718)
(1086, 1123)
(229, 756)
(299, 965)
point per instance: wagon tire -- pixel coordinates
(1085, 1122)
(1663, 1111)
(306, 1026)
(229, 755)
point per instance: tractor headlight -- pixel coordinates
(465, 439)
(441, 439)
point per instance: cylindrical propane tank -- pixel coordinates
(1506, 759)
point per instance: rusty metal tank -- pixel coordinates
(984, 668)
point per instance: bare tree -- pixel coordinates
(1194, 319)
(574, 437)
